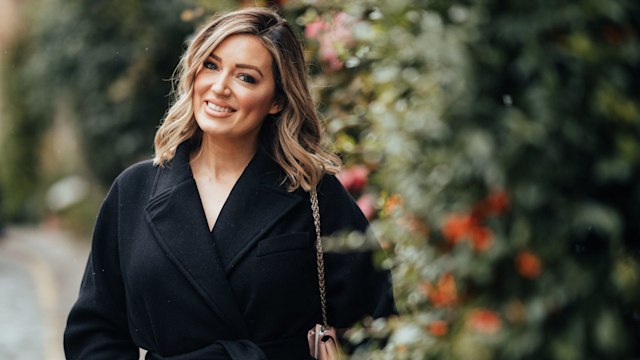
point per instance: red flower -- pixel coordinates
(528, 265)
(438, 328)
(484, 321)
(354, 179)
(481, 237)
(444, 293)
(459, 226)
(496, 203)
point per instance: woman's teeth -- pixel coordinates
(215, 107)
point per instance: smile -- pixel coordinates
(215, 107)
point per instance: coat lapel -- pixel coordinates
(177, 219)
(256, 203)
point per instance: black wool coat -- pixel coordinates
(157, 278)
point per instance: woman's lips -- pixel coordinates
(219, 108)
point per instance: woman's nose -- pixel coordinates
(220, 85)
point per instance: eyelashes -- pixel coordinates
(247, 78)
(243, 77)
(210, 65)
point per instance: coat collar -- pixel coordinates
(176, 216)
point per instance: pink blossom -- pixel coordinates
(313, 29)
(354, 179)
(366, 203)
(332, 36)
(342, 27)
(329, 55)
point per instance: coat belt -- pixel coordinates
(239, 350)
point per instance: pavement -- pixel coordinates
(40, 273)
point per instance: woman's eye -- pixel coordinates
(247, 78)
(210, 65)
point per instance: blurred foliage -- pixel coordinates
(502, 140)
(493, 143)
(109, 64)
(20, 129)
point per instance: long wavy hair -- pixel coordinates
(294, 136)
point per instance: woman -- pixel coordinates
(208, 251)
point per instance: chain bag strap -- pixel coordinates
(319, 256)
(323, 341)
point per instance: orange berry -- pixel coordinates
(438, 328)
(528, 265)
(484, 321)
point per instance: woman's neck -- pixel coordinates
(221, 160)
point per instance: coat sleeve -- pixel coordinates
(97, 324)
(356, 286)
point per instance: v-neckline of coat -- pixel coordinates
(232, 192)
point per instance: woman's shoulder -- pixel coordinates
(137, 174)
(331, 191)
(330, 186)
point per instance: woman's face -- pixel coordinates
(234, 90)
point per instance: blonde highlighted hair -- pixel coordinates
(294, 136)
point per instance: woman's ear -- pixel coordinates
(277, 106)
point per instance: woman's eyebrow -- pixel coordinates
(241, 66)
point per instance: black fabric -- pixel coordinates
(158, 279)
(220, 350)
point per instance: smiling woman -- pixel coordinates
(234, 91)
(208, 251)
(294, 137)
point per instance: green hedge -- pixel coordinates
(503, 143)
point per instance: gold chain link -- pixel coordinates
(319, 256)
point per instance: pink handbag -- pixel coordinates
(323, 340)
(323, 343)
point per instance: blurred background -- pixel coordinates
(494, 145)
